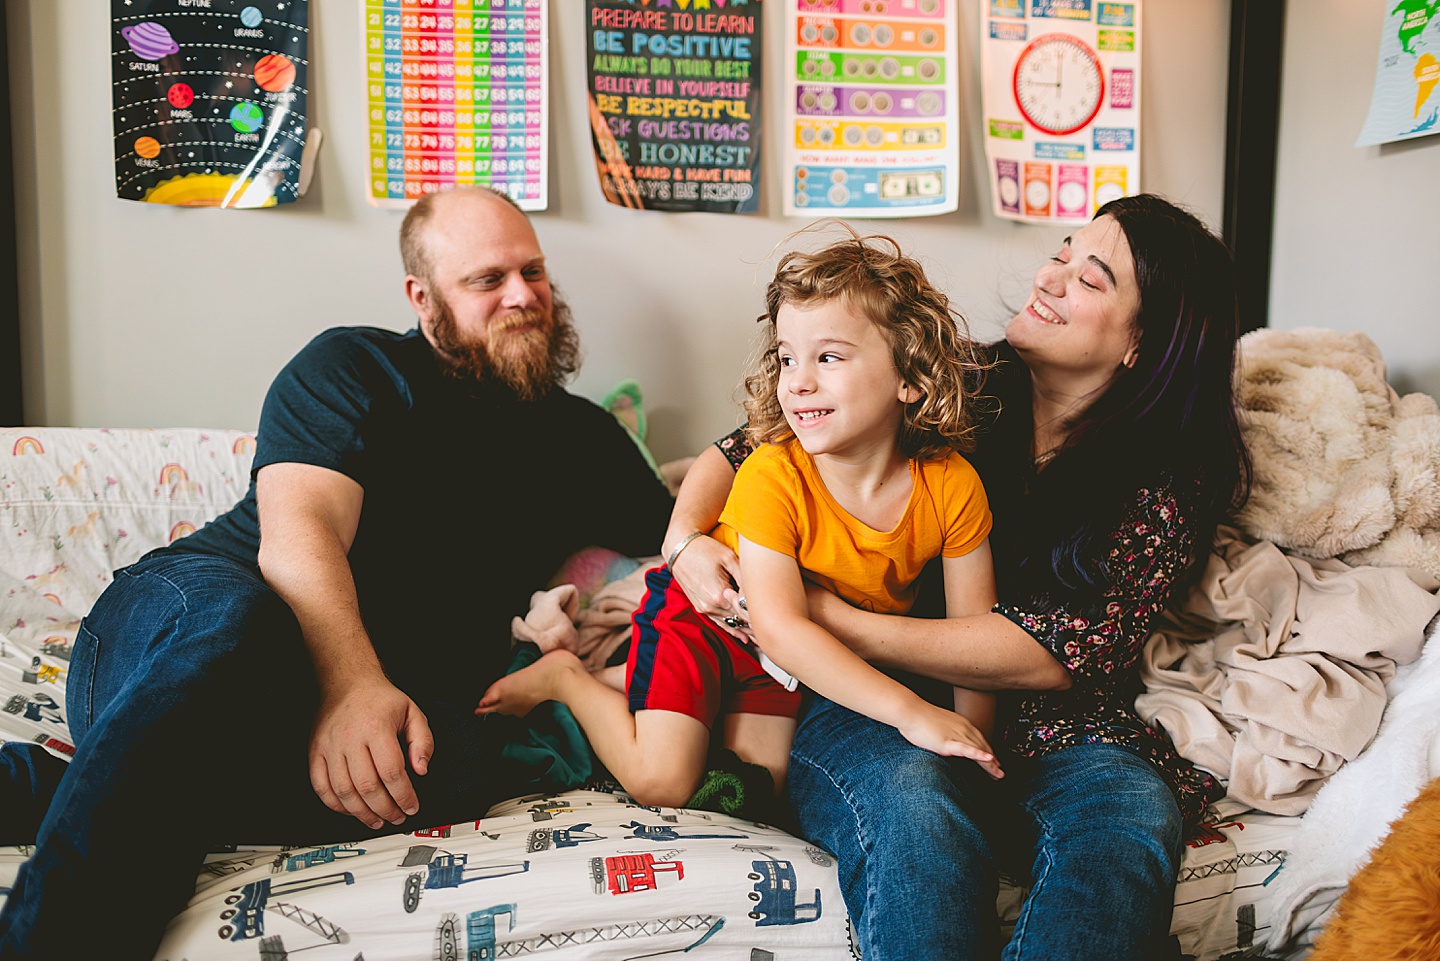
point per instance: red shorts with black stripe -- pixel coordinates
(680, 661)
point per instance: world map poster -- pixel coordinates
(209, 100)
(1406, 103)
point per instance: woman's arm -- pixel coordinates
(986, 652)
(708, 571)
(804, 649)
(1067, 644)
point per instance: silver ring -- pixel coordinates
(732, 621)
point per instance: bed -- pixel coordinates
(581, 874)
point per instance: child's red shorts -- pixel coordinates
(680, 661)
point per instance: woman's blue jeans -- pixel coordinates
(190, 698)
(921, 838)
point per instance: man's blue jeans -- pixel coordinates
(920, 839)
(190, 698)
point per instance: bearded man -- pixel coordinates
(305, 668)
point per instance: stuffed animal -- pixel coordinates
(1391, 908)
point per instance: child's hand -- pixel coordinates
(945, 732)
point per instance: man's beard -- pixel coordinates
(528, 351)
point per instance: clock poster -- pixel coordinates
(1061, 102)
(871, 123)
(208, 100)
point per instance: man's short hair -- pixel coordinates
(413, 253)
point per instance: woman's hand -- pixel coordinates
(945, 732)
(709, 574)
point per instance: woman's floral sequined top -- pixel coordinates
(1100, 645)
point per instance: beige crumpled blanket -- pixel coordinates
(1273, 673)
(594, 632)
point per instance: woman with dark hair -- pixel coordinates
(1112, 453)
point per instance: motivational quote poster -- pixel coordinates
(674, 93)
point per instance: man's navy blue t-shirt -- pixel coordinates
(472, 498)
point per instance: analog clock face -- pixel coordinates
(1059, 84)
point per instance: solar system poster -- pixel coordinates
(457, 95)
(209, 100)
(674, 91)
(1061, 99)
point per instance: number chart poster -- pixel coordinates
(209, 100)
(457, 96)
(675, 103)
(1061, 83)
(872, 112)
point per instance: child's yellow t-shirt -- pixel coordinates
(780, 502)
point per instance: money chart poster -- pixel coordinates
(457, 95)
(872, 114)
(1061, 82)
(209, 100)
(674, 91)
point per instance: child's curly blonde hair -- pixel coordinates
(929, 341)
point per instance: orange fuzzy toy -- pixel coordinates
(1391, 908)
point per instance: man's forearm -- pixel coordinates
(310, 572)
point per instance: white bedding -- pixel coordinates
(585, 874)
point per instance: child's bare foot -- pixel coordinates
(519, 693)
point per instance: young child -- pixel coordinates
(858, 399)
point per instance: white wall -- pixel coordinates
(1357, 229)
(134, 315)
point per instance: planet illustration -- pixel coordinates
(246, 117)
(147, 147)
(180, 96)
(149, 40)
(251, 16)
(274, 72)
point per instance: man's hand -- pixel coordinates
(356, 764)
(709, 574)
(945, 732)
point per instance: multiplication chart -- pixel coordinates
(457, 94)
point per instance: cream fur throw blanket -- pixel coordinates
(1344, 467)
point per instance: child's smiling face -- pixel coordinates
(838, 385)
